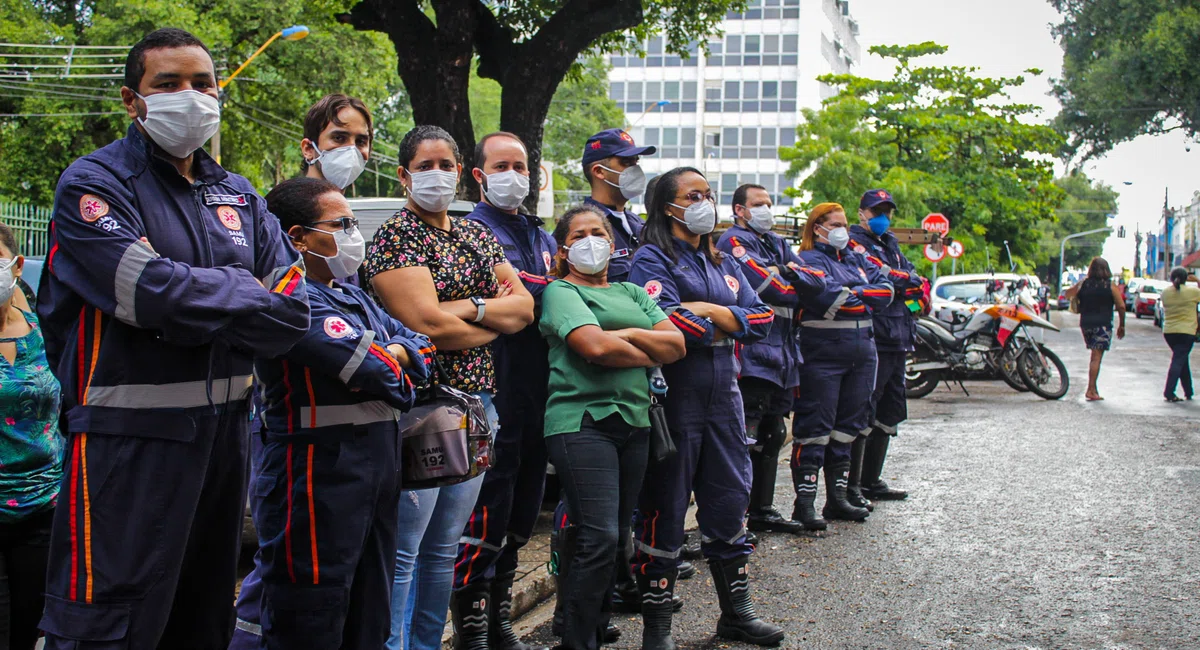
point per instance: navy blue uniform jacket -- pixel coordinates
(894, 325)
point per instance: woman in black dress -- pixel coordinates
(1097, 297)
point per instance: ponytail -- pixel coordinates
(1178, 277)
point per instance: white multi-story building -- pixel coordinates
(728, 112)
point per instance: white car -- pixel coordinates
(372, 212)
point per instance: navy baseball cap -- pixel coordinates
(873, 198)
(613, 142)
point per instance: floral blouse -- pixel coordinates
(462, 262)
(30, 447)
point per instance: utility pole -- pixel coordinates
(1062, 251)
(1137, 252)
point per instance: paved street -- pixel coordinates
(1032, 524)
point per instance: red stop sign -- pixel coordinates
(936, 222)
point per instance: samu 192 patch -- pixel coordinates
(92, 207)
(336, 327)
(654, 289)
(734, 285)
(229, 217)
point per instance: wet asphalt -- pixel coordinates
(1031, 524)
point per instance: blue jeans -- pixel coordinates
(431, 523)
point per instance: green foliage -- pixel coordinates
(941, 140)
(1129, 68)
(264, 107)
(1085, 207)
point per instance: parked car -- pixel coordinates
(1131, 289)
(1159, 316)
(1147, 297)
(373, 211)
(1063, 303)
(963, 287)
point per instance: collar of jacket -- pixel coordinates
(139, 150)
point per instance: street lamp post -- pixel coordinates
(647, 112)
(293, 33)
(1062, 251)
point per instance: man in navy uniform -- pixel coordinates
(167, 276)
(610, 164)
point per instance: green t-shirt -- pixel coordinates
(578, 386)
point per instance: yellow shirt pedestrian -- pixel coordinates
(1179, 309)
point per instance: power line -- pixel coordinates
(67, 47)
(60, 114)
(10, 86)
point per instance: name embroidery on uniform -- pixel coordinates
(620, 252)
(224, 199)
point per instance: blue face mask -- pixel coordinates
(880, 224)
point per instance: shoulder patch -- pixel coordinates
(739, 251)
(229, 217)
(92, 207)
(733, 283)
(654, 289)
(337, 328)
(858, 248)
(546, 259)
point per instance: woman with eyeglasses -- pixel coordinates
(833, 401)
(327, 481)
(705, 295)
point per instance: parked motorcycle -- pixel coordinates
(993, 342)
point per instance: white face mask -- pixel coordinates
(8, 281)
(700, 218)
(631, 182)
(433, 190)
(351, 249)
(341, 166)
(590, 255)
(181, 122)
(761, 219)
(838, 237)
(506, 190)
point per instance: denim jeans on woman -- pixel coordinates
(431, 523)
(600, 468)
(1181, 368)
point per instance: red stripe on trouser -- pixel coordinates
(74, 513)
(478, 549)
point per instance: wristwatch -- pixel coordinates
(480, 307)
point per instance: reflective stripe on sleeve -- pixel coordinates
(129, 271)
(765, 283)
(837, 304)
(783, 312)
(838, 324)
(182, 395)
(356, 359)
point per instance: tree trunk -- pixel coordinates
(434, 62)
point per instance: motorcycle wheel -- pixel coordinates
(921, 383)
(1010, 374)
(1038, 368)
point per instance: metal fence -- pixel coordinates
(30, 224)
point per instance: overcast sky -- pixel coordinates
(1003, 38)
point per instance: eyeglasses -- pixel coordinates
(348, 224)
(697, 196)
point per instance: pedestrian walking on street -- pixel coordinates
(1097, 297)
(445, 277)
(168, 277)
(833, 402)
(895, 333)
(31, 455)
(1180, 330)
(329, 474)
(712, 303)
(603, 336)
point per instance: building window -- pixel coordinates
(653, 91)
(791, 43)
(616, 91)
(750, 90)
(752, 44)
(633, 90)
(689, 91)
(671, 90)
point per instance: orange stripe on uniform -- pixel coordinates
(684, 323)
(386, 357)
(478, 549)
(97, 323)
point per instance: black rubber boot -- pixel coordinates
(738, 621)
(804, 478)
(656, 611)
(469, 613)
(873, 487)
(627, 595)
(500, 628)
(854, 489)
(687, 570)
(762, 515)
(562, 552)
(691, 548)
(837, 476)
